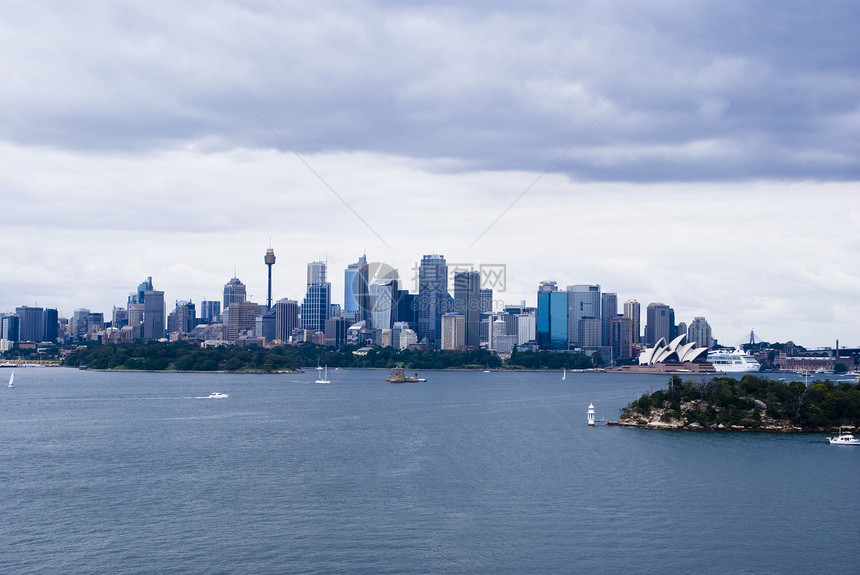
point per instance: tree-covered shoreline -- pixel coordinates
(185, 356)
(752, 403)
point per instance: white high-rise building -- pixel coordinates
(453, 331)
(631, 311)
(699, 332)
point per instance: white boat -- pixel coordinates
(564, 373)
(11, 380)
(217, 395)
(324, 378)
(735, 361)
(843, 439)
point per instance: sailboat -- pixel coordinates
(324, 378)
(564, 373)
(11, 380)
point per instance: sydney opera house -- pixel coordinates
(673, 357)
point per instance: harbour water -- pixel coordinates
(466, 473)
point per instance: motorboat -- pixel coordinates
(217, 395)
(843, 439)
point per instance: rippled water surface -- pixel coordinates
(466, 473)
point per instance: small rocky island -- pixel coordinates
(398, 375)
(750, 404)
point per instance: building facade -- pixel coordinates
(432, 297)
(552, 317)
(316, 307)
(467, 302)
(660, 323)
(632, 312)
(234, 292)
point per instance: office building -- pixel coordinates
(468, 303)
(453, 327)
(153, 314)
(552, 317)
(432, 297)
(660, 323)
(31, 323)
(234, 292)
(135, 319)
(335, 331)
(526, 328)
(608, 310)
(80, 325)
(286, 319)
(356, 289)
(241, 320)
(183, 318)
(590, 332)
(584, 303)
(382, 302)
(210, 311)
(52, 321)
(621, 337)
(486, 296)
(699, 333)
(631, 311)
(316, 307)
(119, 317)
(10, 327)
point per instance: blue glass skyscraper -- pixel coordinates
(552, 317)
(432, 297)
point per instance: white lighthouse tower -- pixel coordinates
(591, 414)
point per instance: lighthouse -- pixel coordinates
(591, 414)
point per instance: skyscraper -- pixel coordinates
(631, 311)
(183, 318)
(209, 311)
(660, 323)
(286, 319)
(316, 307)
(31, 323)
(135, 319)
(234, 292)
(621, 337)
(552, 317)
(241, 320)
(81, 321)
(10, 327)
(700, 333)
(51, 324)
(584, 302)
(383, 294)
(467, 302)
(142, 288)
(453, 331)
(153, 314)
(608, 310)
(432, 297)
(355, 289)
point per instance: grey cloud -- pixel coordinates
(496, 86)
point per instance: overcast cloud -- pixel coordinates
(706, 152)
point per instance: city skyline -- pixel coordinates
(697, 155)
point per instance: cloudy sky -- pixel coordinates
(700, 154)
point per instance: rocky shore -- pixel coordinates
(691, 419)
(751, 404)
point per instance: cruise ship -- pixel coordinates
(733, 361)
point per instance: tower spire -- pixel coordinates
(270, 261)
